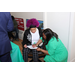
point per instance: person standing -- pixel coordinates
(15, 29)
(6, 25)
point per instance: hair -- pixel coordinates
(49, 34)
(12, 17)
(33, 22)
(32, 26)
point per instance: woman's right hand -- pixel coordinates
(25, 46)
(34, 45)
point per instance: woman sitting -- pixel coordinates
(55, 49)
(31, 36)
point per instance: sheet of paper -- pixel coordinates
(30, 46)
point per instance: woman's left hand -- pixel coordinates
(38, 49)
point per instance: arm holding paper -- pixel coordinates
(39, 49)
(35, 45)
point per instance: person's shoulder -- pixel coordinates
(27, 30)
(6, 12)
(39, 28)
(53, 39)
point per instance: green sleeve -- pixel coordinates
(52, 47)
(42, 39)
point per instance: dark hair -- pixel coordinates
(49, 34)
(12, 17)
(32, 26)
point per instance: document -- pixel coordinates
(30, 46)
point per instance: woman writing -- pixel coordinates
(31, 36)
(55, 49)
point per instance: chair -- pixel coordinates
(40, 55)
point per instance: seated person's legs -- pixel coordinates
(35, 55)
(25, 54)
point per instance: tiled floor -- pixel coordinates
(19, 43)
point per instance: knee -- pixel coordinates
(35, 51)
(26, 50)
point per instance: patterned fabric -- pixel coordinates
(29, 37)
(34, 52)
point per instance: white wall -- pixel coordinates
(63, 23)
(59, 23)
(27, 15)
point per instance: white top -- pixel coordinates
(35, 36)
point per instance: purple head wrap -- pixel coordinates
(33, 22)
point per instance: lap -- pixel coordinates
(27, 50)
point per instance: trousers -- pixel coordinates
(5, 57)
(34, 52)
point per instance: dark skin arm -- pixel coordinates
(39, 49)
(42, 50)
